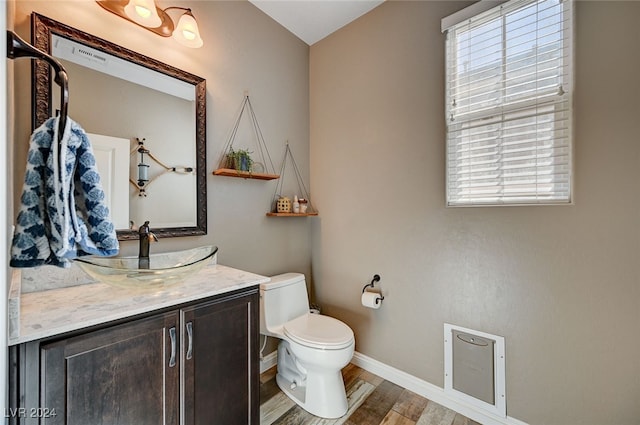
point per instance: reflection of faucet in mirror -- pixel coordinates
(146, 236)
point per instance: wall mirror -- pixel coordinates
(122, 98)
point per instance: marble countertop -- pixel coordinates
(37, 315)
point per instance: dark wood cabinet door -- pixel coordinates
(220, 360)
(123, 375)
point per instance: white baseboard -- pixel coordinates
(268, 361)
(430, 391)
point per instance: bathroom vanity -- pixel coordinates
(180, 354)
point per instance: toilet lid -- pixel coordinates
(319, 331)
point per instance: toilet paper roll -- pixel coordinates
(369, 299)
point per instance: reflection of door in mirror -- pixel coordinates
(112, 160)
(129, 110)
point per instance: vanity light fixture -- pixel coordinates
(146, 14)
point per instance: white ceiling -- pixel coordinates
(313, 20)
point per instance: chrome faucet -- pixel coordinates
(146, 236)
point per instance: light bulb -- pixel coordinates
(143, 12)
(186, 32)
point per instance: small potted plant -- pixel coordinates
(240, 160)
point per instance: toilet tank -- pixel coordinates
(282, 299)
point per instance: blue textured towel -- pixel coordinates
(62, 213)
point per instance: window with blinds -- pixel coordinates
(508, 104)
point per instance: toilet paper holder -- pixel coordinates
(376, 278)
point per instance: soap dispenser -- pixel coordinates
(296, 205)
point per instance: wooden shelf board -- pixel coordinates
(272, 214)
(229, 172)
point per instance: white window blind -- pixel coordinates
(508, 105)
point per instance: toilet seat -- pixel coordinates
(318, 331)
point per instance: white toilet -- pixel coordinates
(313, 348)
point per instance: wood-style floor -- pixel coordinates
(371, 399)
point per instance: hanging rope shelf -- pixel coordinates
(239, 163)
(282, 205)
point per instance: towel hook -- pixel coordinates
(18, 48)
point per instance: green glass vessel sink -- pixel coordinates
(163, 268)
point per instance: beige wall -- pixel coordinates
(560, 283)
(244, 50)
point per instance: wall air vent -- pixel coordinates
(90, 55)
(474, 368)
